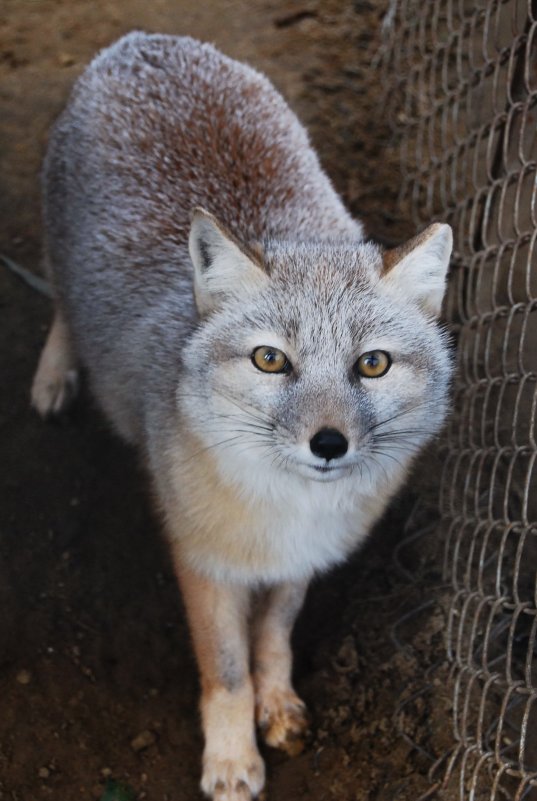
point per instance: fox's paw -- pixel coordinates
(54, 388)
(238, 779)
(283, 720)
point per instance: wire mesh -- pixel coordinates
(461, 93)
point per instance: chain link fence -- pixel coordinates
(461, 94)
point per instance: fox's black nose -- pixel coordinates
(328, 444)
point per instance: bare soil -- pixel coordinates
(94, 649)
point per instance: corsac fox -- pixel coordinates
(277, 371)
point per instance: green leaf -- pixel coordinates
(117, 791)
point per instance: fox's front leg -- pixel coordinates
(280, 713)
(218, 616)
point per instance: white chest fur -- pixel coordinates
(273, 527)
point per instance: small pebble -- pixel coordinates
(43, 773)
(143, 740)
(24, 677)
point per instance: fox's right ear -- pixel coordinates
(223, 267)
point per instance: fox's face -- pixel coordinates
(318, 360)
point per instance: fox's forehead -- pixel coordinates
(314, 282)
(322, 264)
(329, 315)
(312, 320)
(323, 299)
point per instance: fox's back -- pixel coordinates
(158, 125)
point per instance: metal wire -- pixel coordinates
(461, 91)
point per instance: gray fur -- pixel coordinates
(125, 167)
(156, 126)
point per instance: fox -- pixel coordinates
(277, 371)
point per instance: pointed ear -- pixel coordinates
(223, 267)
(417, 270)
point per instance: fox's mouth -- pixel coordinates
(323, 472)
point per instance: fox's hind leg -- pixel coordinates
(56, 379)
(280, 714)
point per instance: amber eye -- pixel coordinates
(373, 364)
(271, 360)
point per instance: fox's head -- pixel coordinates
(317, 359)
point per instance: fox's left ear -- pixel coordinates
(223, 267)
(417, 270)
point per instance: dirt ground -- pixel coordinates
(93, 645)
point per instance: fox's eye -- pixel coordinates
(271, 360)
(373, 364)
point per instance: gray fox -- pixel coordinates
(277, 371)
